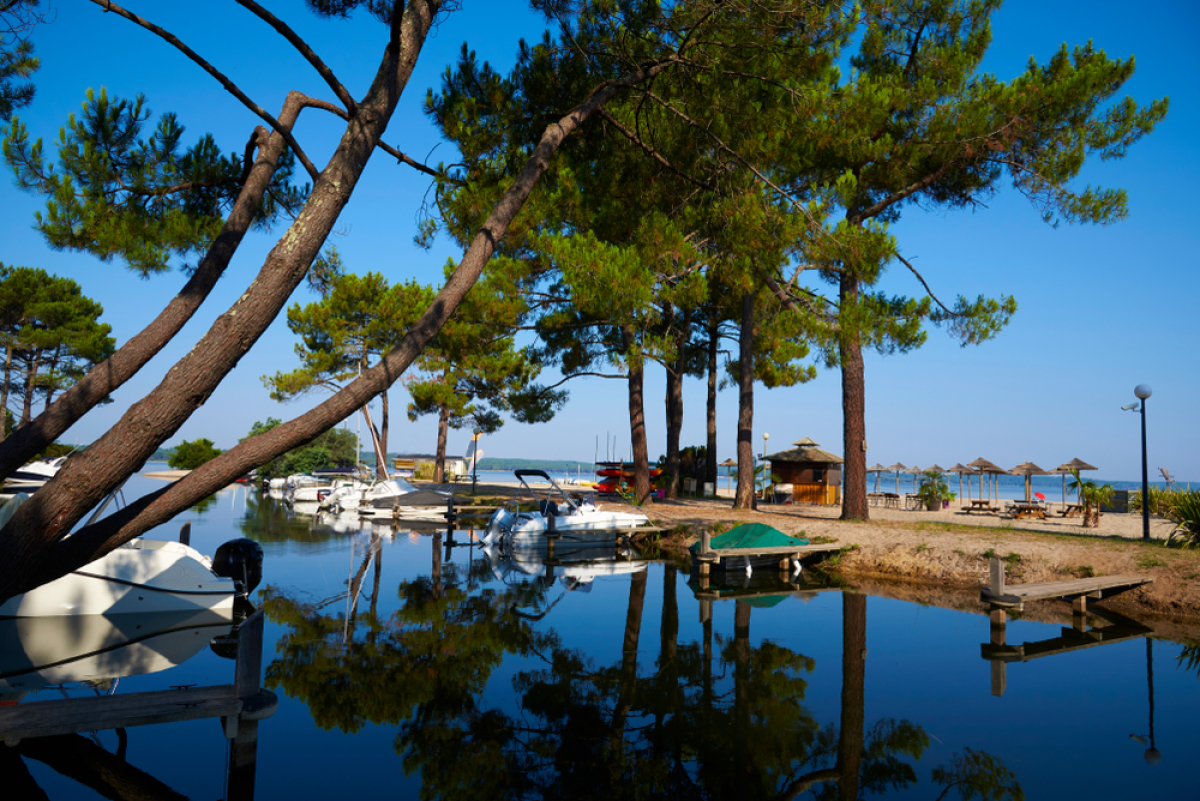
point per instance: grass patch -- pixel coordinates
(1084, 571)
(1149, 561)
(820, 539)
(922, 547)
(1012, 558)
(835, 559)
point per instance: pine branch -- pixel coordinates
(229, 85)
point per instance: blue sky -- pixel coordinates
(1101, 309)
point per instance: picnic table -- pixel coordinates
(1070, 510)
(980, 505)
(1021, 509)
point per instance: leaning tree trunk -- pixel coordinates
(745, 444)
(103, 379)
(854, 420)
(642, 489)
(34, 548)
(710, 466)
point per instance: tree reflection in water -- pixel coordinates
(699, 723)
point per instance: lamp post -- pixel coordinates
(1143, 392)
(766, 437)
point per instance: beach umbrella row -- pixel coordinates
(982, 467)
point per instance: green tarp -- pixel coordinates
(753, 535)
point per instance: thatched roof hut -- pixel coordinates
(815, 475)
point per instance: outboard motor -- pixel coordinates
(242, 561)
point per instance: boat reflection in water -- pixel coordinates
(93, 652)
(36, 652)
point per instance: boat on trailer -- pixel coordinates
(528, 519)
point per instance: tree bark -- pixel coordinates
(642, 488)
(33, 552)
(385, 413)
(744, 499)
(439, 462)
(854, 419)
(675, 411)
(711, 445)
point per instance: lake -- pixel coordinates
(408, 665)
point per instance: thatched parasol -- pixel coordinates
(984, 467)
(728, 480)
(897, 467)
(913, 471)
(961, 468)
(1029, 470)
(1065, 469)
(876, 468)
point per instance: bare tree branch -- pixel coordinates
(302, 47)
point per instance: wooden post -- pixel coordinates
(185, 533)
(997, 584)
(999, 623)
(706, 542)
(705, 610)
(1079, 607)
(247, 678)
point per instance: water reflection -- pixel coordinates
(92, 653)
(716, 718)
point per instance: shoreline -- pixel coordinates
(946, 554)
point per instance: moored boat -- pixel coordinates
(559, 513)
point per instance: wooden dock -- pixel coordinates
(710, 558)
(1000, 594)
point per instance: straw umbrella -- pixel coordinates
(728, 480)
(1065, 469)
(1029, 470)
(876, 468)
(913, 471)
(961, 468)
(986, 468)
(897, 468)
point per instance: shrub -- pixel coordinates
(190, 455)
(1185, 514)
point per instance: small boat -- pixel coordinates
(143, 576)
(573, 517)
(362, 494)
(32, 476)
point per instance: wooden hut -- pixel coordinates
(815, 475)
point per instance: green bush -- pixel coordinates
(1185, 514)
(190, 455)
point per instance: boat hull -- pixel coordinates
(140, 576)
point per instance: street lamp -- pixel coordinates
(1143, 391)
(766, 437)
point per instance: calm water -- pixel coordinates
(406, 669)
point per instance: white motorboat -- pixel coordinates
(381, 494)
(143, 576)
(47, 651)
(32, 476)
(573, 518)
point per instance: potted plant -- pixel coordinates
(935, 492)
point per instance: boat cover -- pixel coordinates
(753, 535)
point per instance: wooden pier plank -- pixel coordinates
(1097, 587)
(46, 718)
